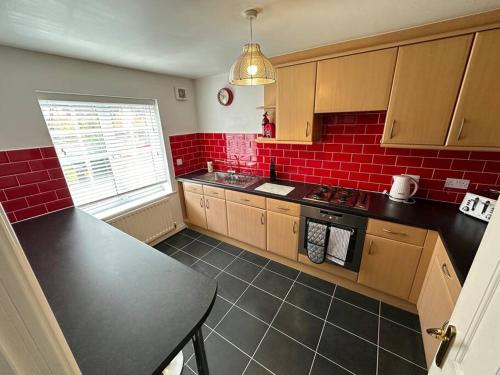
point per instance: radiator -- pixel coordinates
(147, 223)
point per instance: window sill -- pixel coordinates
(111, 213)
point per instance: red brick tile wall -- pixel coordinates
(32, 183)
(187, 148)
(349, 154)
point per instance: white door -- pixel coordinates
(476, 349)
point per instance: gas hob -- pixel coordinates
(340, 197)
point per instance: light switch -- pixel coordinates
(179, 161)
(456, 183)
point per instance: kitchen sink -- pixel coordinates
(228, 178)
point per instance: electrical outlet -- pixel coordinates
(414, 176)
(456, 183)
(179, 161)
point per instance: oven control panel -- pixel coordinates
(478, 206)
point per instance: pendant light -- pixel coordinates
(252, 67)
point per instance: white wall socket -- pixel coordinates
(178, 161)
(456, 183)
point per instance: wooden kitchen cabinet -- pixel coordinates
(389, 266)
(424, 91)
(215, 209)
(475, 121)
(354, 83)
(195, 209)
(437, 298)
(295, 102)
(246, 224)
(283, 234)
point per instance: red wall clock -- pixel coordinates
(225, 96)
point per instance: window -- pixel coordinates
(110, 149)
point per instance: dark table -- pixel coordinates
(124, 307)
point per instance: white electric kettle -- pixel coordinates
(401, 187)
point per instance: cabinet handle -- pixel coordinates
(307, 128)
(444, 267)
(207, 203)
(262, 219)
(201, 202)
(244, 200)
(391, 133)
(393, 232)
(283, 208)
(294, 229)
(370, 252)
(461, 128)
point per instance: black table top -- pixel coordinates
(124, 307)
(461, 234)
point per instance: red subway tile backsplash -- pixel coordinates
(32, 183)
(349, 154)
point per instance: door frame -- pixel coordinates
(31, 341)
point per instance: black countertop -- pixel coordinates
(124, 307)
(461, 234)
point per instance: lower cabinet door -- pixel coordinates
(195, 209)
(216, 215)
(283, 234)
(389, 266)
(247, 224)
(435, 306)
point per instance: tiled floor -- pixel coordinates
(272, 319)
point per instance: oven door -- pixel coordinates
(354, 248)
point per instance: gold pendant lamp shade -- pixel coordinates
(252, 67)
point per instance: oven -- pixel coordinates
(343, 236)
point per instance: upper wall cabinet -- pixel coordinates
(476, 118)
(424, 91)
(295, 102)
(360, 82)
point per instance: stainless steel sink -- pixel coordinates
(231, 179)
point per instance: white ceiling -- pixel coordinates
(195, 38)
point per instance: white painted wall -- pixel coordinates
(240, 117)
(22, 72)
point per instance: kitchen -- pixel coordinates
(316, 212)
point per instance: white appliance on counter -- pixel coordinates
(480, 203)
(401, 188)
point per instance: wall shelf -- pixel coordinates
(275, 141)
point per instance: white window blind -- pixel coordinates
(107, 147)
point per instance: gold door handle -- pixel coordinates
(461, 129)
(294, 229)
(201, 202)
(206, 202)
(244, 200)
(262, 219)
(446, 334)
(393, 232)
(307, 128)
(283, 208)
(391, 133)
(446, 271)
(370, 252)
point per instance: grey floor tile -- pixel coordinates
(357, 299)
(165, 248)
(282, 355)
(208, 240)
(349, 351)
(298, 324)
(190, 233)
(243, 269)
(309, 299)
(254, 258)
(322, 366)
(178, 240)
(273, 283)
(402, 341)
(230, 287)
(242, 329)
(184, 258)
(233, 250)
(316, 283)
(220, 308)
(218, 258)
(354, 319)
(389, 364)
(255, 369)
(197, 249)
(206, 269)
(282, 269)
(400, 316)
(260, 304)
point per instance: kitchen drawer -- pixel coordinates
(246, 199)
(397, 232)
(283, 207)
(192, 187)
(215, 192)
(446, 268)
